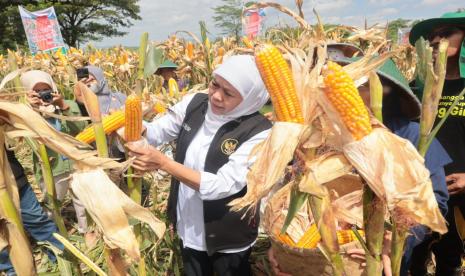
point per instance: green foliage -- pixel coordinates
(80, 20)
(228, 17)
(393, 26)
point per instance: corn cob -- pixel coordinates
(286, 239)
(159, 108)
(173, 87)
(344, 96)
(190, 50)
(310, 238)
(278, 79)
(133, 118)
(221, 51)
(110, 123)
(247, 42)
(220, 54)
(346, 236)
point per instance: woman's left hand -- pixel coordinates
(148, 158)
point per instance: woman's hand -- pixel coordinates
(457, 181)
(59, 101)
(359, 254)
(148, 158)
(33, 98)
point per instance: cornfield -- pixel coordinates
(331, 127)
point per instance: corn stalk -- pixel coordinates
(113, 256)
(374, 207)
(140, 67)
(434, 83)
(320, 204)
(51, 192)
(324, 217)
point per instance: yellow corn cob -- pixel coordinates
(278, 79)
(173, 87)
(344, 96)
(220, 51)
(190, 50)
(247, 42)
(220, 54)
(346, 236)
(310, 238)
(159, 108)
(133, 118)
(286, 239)
(110, 123)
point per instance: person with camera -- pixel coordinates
(108, 100)
(45, 98)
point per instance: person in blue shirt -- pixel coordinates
(400, 108)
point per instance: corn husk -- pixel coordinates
(396, 173)
(323, 169)
(24, 122)
(109, 207)
(267, 169)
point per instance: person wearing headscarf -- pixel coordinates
(44, 96)
(215, 134)
(109, 101)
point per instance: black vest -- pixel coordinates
(224, 229)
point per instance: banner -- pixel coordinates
(42, 30)
(251, 21)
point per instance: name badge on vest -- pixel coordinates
(229, 146)
(186, 127)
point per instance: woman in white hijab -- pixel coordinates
(215, 134)
(44, 96)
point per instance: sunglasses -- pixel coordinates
(444, 33)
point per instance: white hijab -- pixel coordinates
(242, 73)
(30, 78)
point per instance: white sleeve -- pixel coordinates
(166, 128)
(231, 177)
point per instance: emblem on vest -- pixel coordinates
(228, 146)
(186, 127)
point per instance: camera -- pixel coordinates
(82, 73)
(46, 95)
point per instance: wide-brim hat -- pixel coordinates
(425, 27)
(389, 71)
(347, 50)
(168, 64)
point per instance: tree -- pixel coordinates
(80, 20)
(229, 17)
(395, 25)
(84, 20)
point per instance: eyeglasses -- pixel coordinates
(444, 33)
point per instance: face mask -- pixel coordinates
(94, 88)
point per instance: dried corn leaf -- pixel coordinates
(396, 173)
(109, 207)
(24, 122)
(325, 168)
(349, 208)
(268, 169)
(12, 231)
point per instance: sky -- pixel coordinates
(161, 18)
